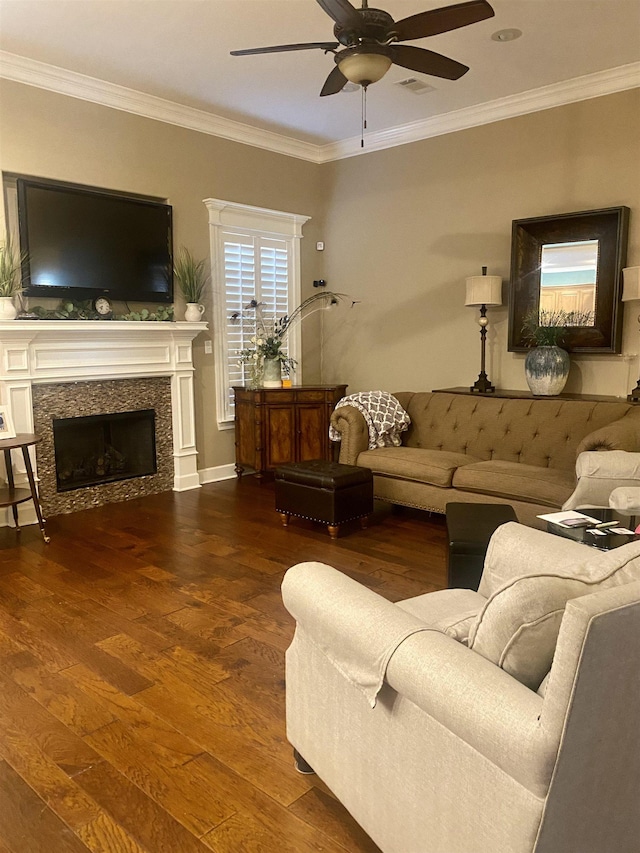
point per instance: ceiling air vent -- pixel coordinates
(412, 84)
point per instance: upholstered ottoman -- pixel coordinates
(324, 491)
(469, 527)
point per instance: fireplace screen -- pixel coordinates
(104, 448)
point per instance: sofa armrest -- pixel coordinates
(351, 425)
(623, 434)
(515, 550)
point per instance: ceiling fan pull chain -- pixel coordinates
(364, 115)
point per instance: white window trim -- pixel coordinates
(259, 221)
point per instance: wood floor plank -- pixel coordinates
(27, 824)
(142, 694)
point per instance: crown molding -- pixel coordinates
(556, 95)
(20, 69)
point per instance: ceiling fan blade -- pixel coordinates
(427, 62)
(436, 21)
(342, 12)
(334, 83)
(280, 48)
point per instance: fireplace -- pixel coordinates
(51, 370)
(104, 448)
(103, 441)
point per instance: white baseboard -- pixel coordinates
(216, 474)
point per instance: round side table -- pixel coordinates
(9, 495)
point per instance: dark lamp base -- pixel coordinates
(482, 385)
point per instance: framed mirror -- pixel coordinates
(570, 264)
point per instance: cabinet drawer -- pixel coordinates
(279, 396)
(312, 396)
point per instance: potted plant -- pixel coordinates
(11, 262)
(191, 276)
(265, 357)
(546, 367)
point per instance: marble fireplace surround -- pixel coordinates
(45, 352)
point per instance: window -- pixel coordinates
(255, 254)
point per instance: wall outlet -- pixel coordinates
(208, 347)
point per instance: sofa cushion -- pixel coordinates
(518, 626)
(436, 467)
(548, 486)
(451, 611)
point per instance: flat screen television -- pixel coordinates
(83, 242)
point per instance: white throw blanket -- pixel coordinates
(384, 415)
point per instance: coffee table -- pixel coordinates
(602, 543)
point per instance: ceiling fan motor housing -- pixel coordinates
(377, 26)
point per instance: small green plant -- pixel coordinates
(548, 328)
(11, 261)
(191, 275)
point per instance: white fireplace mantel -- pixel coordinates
(46, 351)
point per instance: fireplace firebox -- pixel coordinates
(104, 448)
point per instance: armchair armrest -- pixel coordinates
(351, 425)
(355, 628)
(479, 703)
(599, 473)
(623, 434)
(515, 550)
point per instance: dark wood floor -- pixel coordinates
(142, 673)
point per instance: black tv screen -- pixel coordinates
(82, 243)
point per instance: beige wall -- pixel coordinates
(407, 225)
(402, 227)
(63, 138)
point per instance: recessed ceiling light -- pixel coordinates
(507, 35)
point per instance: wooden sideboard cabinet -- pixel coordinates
(279, 425)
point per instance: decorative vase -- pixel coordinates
(546, 370)
(8, 310)
(193, 312)
(272, 373)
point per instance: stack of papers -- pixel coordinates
(570, 519)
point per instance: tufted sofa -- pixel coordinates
(459, 447)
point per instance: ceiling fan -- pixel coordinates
(367, 42)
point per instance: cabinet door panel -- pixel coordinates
(312, 425)
(279, 435)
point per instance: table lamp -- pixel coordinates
(631, 293)
(483, 291)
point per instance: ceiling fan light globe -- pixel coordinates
(365, 68)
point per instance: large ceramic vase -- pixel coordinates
(8, 310)
(271, 373)
(546, 370)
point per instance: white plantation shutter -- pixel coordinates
(254, 268)
(252, 262)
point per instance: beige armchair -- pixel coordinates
(599, 473)
(432, 719)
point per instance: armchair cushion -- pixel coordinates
(518, 626)
(450, 611)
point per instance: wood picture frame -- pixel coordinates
(610, 227)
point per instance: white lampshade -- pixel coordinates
(484, 290)
(365, 68)
(631, 284)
